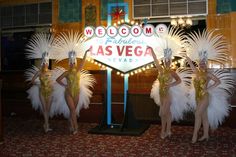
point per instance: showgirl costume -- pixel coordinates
(171, 45)
(73, 79)
(202, 47)
(39, 47)
(199, 84)
(69, 45)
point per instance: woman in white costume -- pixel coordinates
(170, 85)
(76, 82)
(40, 93)
(211, 90)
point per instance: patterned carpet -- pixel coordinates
(26, 138)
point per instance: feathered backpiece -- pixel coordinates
(69, 44)
(171, 43)
(40, 46)
(205, 46)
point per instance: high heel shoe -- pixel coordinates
(194, 140)
(204, 138)
(168, 134)
(75, 131)
(46, 128)
(163, 136)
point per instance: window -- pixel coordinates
(26, 15)
(168, 8)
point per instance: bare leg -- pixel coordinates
(205, 127)
(48, 107)
(165, 117)
(168, 117)
(205, 121)
(168, 128)
(201, 108)
(45, 113)
(72, 109)
(76, 100)
(163, 122)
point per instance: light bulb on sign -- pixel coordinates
(108, 68)
(189, 22)
(173, 22)
(180, 21)
(161, 29)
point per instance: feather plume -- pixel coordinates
(174, 40)
(38, 44)
(214, 45)
(67, 42)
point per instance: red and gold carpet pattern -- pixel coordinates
(26, 138)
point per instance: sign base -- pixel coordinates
(130, 125)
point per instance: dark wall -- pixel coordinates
(13, 51)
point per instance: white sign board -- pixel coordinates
(124, 51)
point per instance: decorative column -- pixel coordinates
(126, 87)
(109, 96)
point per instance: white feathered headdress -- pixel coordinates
(171, 43)
(205, 46)
(40, 46)
(69, 45)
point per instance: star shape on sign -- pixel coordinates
(117, 14)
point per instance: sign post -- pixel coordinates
(109, 96)
(126, 87)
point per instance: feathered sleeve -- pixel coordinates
(33, 91)
(86, 83)
(155, 92)
(179, 94)
(59, 105)
(219, 104)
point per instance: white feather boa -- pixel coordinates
(179, 100)
(219, 103)
(86, 83)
